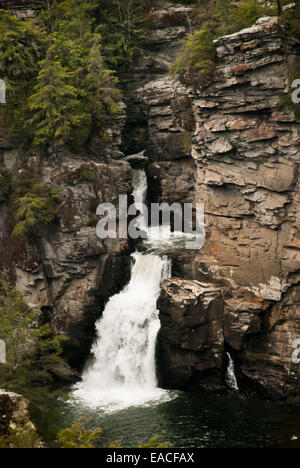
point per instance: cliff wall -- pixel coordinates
(230, 146)
(227, 145)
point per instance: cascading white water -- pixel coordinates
(123, 372)
(2, 92)
(231, 377)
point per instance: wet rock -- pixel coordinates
(137, 161)
(191, 341)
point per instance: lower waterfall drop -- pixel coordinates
(123, 372)
(231, 377)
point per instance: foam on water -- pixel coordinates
(123, 370)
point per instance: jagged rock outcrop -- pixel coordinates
(192, 315)
(159, 111)
(227, 145)
(231, 147)
(14, 415)
(66, 270)
(247, 154)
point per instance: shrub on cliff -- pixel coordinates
(22, 46)
(291, 17)
(216, 18)
(33, 354)
(198, 56)
(21, 438)
(36, 206)
(123, 25)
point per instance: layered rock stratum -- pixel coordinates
(230, 146)
(227, 145)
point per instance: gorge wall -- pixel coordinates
(65, 270)
(227, 145)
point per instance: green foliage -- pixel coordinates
(73, 18)
(92, 221)
(35, 206)
(59, 88)
(22, 45)
(16, 324)
(291, 18)
(215, 19)
(198, 56)
(232, 18)
(77, 436)
(54, 104)
(102, 93)
(123, 25)
(21, 48)
(17, 113)
(89, 174)
(25, 437)
(34, 360)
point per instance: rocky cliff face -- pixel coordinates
(14, 415)
(66, 271)
(229, 146)
(247, 156)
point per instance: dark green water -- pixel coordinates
(191, 420)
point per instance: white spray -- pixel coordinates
(123, 371)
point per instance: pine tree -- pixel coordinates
(33, 354)
(22, 45)
(35, 207)
(54, 105)
(101, 86)
(75, 17)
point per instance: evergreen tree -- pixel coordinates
(78, 436)
(22, 45)
(76, 17)
(37, 206)
(101, 86)
(54, 105)
(33, 353)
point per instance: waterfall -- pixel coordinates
(231, 379)
(123, 370)
(2, 92)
